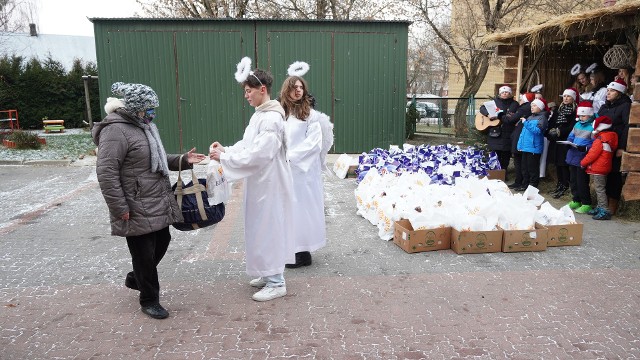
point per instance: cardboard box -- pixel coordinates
(351, 172)
(497, 174)
(564, 235)
(413, 241)
(525, 240)
(476, 242)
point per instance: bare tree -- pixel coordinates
(196, 8)
(15, 15)
(279, 9)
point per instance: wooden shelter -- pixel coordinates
(546, 52)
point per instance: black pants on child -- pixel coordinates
(580, 185)
(503, 158)
(530, 169)
(562, 171)
(517, 163)
(146, 252)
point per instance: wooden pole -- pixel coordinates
(520, 66)
(87, 79)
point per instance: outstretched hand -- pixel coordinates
(194, 157)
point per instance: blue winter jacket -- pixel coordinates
(581, 136)
(532, 136)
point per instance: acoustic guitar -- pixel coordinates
(483, 122)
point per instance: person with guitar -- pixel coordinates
(498, 132)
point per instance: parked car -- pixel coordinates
(421, 110)
(426, 109)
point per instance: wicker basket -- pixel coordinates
(619, 56)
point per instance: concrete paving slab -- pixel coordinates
(62, 294)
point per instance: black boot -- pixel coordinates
(560, 193)
(302, 259)
(558, 186)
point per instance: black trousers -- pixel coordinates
(146, 252)
(504, 157)
(530, 169)
(614, 180)
(580, 190)
(562, 172)
(517, 163)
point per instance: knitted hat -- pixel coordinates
(527, 97)
(618, 85)
(540, 104)
(584, 108)
(137, 97)
(571, 92)
(505, 88)
(602, 123)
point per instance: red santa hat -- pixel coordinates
(584, 108)
(601, 123)
(571, 92)
(505, 88)
(618, 85)
(540, 104)
(528, 97)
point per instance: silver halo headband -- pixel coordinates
(298, 68)
(575, 70)
(243, 70)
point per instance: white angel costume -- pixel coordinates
(305, 142)
(260, 159)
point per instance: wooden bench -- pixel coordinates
(53, 125)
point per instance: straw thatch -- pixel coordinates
(562, 27)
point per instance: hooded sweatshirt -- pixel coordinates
(581, 136)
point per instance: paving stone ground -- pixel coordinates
(62, 294)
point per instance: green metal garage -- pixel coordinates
(358, 73)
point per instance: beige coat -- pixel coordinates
(127, 183)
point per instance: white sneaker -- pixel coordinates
(259, 282)
(270, 293)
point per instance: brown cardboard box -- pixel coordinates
(525, 240)
(564, 235)
(351, 172)
(413, 241)
(476, 242)
(497, 174)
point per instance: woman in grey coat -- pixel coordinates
(133, 173)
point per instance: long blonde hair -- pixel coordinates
(300, 108)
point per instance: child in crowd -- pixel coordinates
(598, 163)
(581, 140)
(560, 126)
(531, 143)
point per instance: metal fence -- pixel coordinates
(438, 114)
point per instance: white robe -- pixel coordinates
(260, 159)
(599, 98)
(304, 142)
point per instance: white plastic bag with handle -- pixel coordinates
(218, 188)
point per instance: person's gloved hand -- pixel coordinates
(554, 132)
(500, 114)
(582, 148)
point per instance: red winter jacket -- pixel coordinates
(598, 159)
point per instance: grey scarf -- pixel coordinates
(158, 155)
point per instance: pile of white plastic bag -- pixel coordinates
(469, 204)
